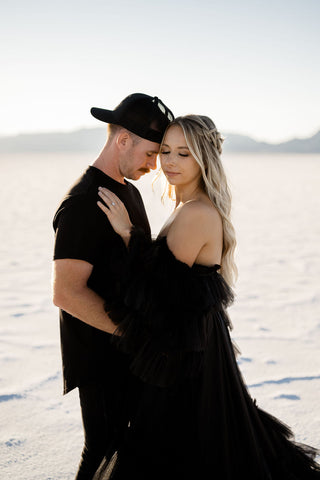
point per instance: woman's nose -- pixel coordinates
(169, 159)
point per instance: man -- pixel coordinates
(89, 258)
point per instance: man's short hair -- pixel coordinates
(113, 130)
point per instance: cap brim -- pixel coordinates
(103, 115)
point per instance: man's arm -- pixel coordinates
(71, 293)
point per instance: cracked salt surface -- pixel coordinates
(276, 315)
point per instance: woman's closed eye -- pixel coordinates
(180, 154)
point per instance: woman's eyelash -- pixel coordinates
(180, 154)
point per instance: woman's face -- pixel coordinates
(177, 163)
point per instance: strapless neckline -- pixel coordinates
(196, 266)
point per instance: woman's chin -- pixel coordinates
(173, 179)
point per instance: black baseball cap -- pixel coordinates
(147, 117)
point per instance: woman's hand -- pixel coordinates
(116, 212)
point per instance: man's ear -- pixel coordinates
(123, 140)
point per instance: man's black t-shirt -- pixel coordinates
(83, 232)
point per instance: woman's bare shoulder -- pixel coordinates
(191, 229)
(198, 213)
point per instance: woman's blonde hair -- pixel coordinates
(205, 144)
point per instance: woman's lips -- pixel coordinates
(171, 173)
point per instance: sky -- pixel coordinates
(252, 66)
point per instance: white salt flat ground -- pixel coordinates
(276, 315)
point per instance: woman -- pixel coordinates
(191, 414)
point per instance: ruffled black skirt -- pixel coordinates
(191, 415)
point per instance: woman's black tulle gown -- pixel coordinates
(191, 416)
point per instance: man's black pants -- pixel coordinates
(105, 415)
(98, 435)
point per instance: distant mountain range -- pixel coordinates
(241, 143)
(93, 139)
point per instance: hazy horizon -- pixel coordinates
(77, 129)
(252, 66)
